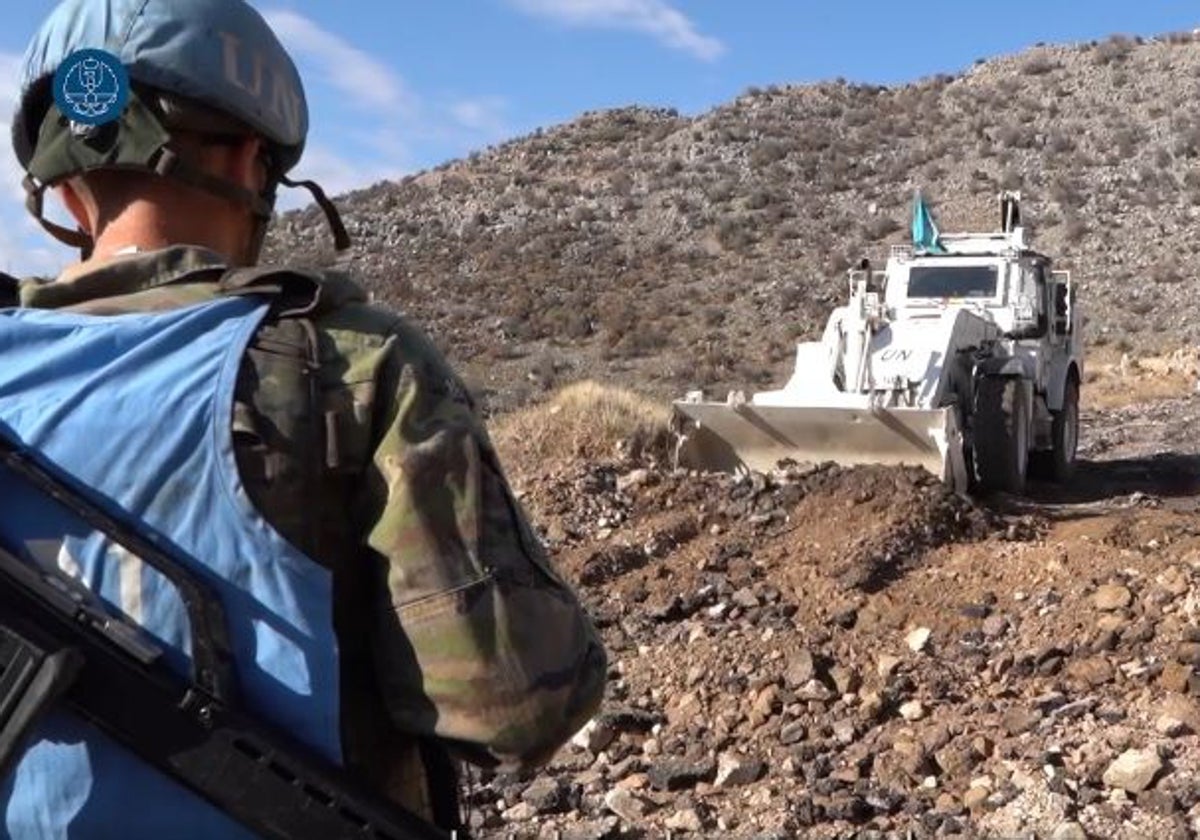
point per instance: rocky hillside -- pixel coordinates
(646, 247)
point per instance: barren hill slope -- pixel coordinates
(642, 246)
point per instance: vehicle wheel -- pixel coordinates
(1057, 464)
(1001, 421)
(1065, 432)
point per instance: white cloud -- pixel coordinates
(367, 81)
(24, 248)
(10, 170)
(657, 18)
(484, 114)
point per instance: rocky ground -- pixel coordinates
(835, 652)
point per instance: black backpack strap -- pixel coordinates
(300, 297)
(10, 291)
(299, 292)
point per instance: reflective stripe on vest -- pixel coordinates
(139, 407)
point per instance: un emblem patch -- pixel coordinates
(91, 87)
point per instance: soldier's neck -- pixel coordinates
(145, 226)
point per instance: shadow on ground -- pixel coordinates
(1170, 478)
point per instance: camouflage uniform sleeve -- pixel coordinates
(481, 643)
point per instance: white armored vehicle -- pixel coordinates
(964, 356)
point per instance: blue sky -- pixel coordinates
(401, 85)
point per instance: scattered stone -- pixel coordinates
(1020, 719)
(1134, 770)
(595, 736)
(1188, 653)
(1112, 597)
(801, 667)
(1175, 581)
(636, 478)
(546, 795)
(814, 690)
(975, 797)
(792, 733)
(672, 774)
(602, 829)
(912, 710)
(954, 760)
(1175, 677)
(521, 812)
(844, 731)
(627, 805)
(628, 719)
(845, 680)
(1183, 709)
(1170, 726)
(745, 598)
(1092, 672)
(1069, 831)
(918, 639)
(994, 626)
(685, 820)
(886, 665)
(1159, 802)
(976, 611)
(735, 770)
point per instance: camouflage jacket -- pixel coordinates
(359, 444)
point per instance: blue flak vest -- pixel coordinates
(138, 408)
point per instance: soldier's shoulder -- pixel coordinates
(367, 333)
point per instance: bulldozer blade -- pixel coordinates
(728, 438)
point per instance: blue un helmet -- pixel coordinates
(211, 67)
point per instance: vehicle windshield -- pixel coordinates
(952, 281)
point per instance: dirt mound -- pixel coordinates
(851, 529)
(835, 652)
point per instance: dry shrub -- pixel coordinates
(584, 420)
(1116, 48)
(1115, 378)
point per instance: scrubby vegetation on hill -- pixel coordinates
(648, 248)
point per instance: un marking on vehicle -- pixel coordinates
(896, 355)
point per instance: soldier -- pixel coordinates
(313, 456)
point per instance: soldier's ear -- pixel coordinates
(245, 167)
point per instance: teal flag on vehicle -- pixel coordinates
(925, 234)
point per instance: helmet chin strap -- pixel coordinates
(166, 163)
(341, 239)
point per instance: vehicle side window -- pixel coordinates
(1061, 309)
(1035, 288)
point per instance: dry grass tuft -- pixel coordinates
(583, 420)
(1114, 379)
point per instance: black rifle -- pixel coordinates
(57, 641)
